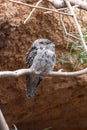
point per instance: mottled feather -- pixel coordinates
(41, 58)
(32, 81)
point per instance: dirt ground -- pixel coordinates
(59, 102)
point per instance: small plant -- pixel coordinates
(76, 57)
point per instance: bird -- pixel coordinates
(41, 59)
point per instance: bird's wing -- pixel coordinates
(32, 81)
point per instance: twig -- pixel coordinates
(66, 33)
(77, 24)
(27, 19)
(64, 26)
(21, 72)
(3, 124)
(39, 7)
(71, 35)
(60, 9)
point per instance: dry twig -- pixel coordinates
(27, 19)
(66, 33)
(60, 9)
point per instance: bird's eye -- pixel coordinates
(41, 42)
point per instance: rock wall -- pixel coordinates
(59, 102)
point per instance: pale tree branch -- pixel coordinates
(21, 72)
(3, 124)
(27, 19)
(61, 4)
(60, 9)
(16, 73)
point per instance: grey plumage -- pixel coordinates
(41, 59)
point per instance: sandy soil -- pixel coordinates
(59, 103)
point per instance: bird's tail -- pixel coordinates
(32, 82)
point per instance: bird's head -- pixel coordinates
(44, 43)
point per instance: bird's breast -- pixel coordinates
(44, 61)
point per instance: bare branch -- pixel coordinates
(39, 7)
(16, 73)
(66, 33)
(62, 22)
(21, 72)
(3, 124)
(60, 9)
(27, 19)
(68, 74)
(61, 4)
